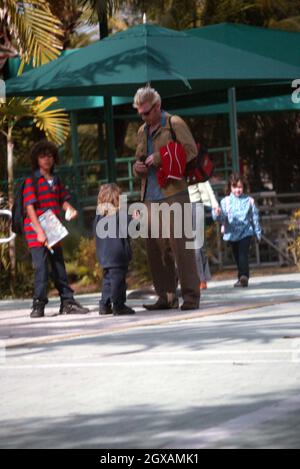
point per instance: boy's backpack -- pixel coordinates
(201, 168)
(18, 215)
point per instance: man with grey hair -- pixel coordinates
(154, 134)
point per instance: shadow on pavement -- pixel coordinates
(152, 426)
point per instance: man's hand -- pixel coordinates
(140, 168)
(149, 161)
(218, 211)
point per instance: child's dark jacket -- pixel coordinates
(113, 251)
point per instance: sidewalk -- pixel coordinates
(17, 329)
(226, 376)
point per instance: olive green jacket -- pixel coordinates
(161, 138)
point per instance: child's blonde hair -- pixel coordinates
(108, 199)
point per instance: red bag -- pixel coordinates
(201, 168)
(173, 165)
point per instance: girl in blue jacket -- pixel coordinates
(240, 219)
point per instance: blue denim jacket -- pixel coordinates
(240, 218)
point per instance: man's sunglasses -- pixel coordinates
(147, 113)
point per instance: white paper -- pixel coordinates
(53, 228)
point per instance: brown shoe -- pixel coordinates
(189, 307)
(162, 304)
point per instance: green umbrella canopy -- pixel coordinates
(74, 103)
(174, 62)
(275, 104)
(273, 43)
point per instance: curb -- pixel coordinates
(18, 343)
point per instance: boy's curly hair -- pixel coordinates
(108, 199)
(44, 147)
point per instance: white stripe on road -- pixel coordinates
(158, 358)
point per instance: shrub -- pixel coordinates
(294, 228)
(139, 267)
(86, 264)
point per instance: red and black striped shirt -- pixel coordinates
(44, 198)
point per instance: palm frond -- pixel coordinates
(55, 123)
(35, 29)
(14, 109)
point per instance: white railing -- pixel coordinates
(6, 213)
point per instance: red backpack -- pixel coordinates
(201, 168)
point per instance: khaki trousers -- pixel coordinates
(165, 254)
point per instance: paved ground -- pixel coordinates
(225, 376)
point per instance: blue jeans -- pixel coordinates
(40, 257)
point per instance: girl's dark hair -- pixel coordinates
(234, 180)
(44, 147)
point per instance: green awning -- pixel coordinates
(275, 104)
(174, 62)
(283, 46)
(74, 103)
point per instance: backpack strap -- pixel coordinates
(174, 138)
(35, 182)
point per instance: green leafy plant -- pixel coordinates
(294, 228)
(139, 267)
(86, 263)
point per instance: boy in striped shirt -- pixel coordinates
(44, 191)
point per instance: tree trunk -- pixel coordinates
(10, 176)
(103, 22)
(103, 26)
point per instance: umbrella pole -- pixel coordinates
(76, 163)
(110, 138)
(234, 130)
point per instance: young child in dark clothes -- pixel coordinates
(113, 251)
(42, 191)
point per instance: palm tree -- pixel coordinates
(100, 10)
(29, 29)
(54, 123)
(179, 14)
(281, 14)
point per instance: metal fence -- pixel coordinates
(84, 179)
